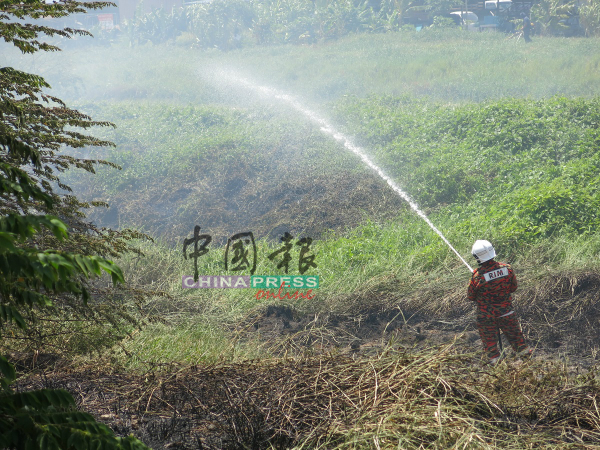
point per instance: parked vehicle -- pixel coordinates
(466, 18)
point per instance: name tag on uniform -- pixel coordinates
(494, 274)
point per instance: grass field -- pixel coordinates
(493, 138)
(446, 65)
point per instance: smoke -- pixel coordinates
(327, 128)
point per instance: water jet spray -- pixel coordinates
(327, 128)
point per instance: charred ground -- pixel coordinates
(372, 372)
(331, 373)
(267, 205)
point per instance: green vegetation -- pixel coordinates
(492, 138)
(529, 167)
(39, 261)
(236, 24)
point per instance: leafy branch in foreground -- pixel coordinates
(45, 419)
(25, 35)
(28, 274)
(38, 130)
(38, 134)
(38, 258)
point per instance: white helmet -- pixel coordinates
(483, 251)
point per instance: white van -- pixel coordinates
(466, 17)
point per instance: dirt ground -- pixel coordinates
(244, 405)
(307, 206)
(268, 403)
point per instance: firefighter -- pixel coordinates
(491, 286)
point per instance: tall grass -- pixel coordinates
(401, 264)
(467, 164)
(447, 65)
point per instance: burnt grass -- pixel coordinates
(267, 205)
(333, 373)
(326, 368)
(560, 316)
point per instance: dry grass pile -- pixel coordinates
(243, 200)
(563, 312)
(559, 313)
(434, 399)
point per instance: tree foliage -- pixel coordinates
(589, 17)
(36, 132)
(554, 17)
(47, 418)
(227, 24)
(44, 419)
(38, 259)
